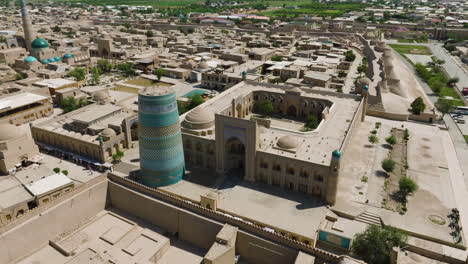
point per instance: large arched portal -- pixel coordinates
(292, 111)
(235, 155)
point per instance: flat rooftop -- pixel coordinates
(95, 112)
(110, 237)
(20, 99)
(54, 83)
(12, 192)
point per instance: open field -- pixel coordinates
(412, 41)
(411, 49)
(319, 9)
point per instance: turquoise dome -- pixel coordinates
(44, 61)
(366, 87)
(30, 59)
(57, 59)
(51, 60)
(336, 154)
(68, 56)
(39, 43)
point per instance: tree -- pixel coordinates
(418, 106)
(277, 58)
(388, 165)
(56, 29)
(56, 170)
(159, 73)
(117, 156)
(407, 185)
(391, 140)
(195, 101)
(312, 122)
(444, 106)
(374, 245)
(70, 104)
(126, 68)
(42, 30)
(265, 107)
(373, 139)
(452, 81)
(181, 107)
(65, 172)
(21, 76)
(349, 55)
(78, 73)
(149, 34)
(96, 76)
(342, 74)
(104, 65)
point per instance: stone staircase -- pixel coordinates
(377, 107)
(369, 218)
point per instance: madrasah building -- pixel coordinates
(226, 134)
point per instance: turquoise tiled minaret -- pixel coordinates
(161, 152)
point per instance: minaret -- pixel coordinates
(27, 26)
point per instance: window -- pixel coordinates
(277, 167)
(318, 178)
(291, 171)
(305, 174)
(8, 217)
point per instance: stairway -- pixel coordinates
(377, 107)
(369, 218)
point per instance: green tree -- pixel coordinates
(407, 185)
(374, 245)
(159, 73)
(126, 68)
(373, 139)
(277, 58)
(181, 107)
(104, 66)
(265, 107)
(78, 73)
(71, 103)
(195, 101)
(349, 55)
(117, 156)
(149, 34)
(444, 106)
(21, 76)
(65, 172)
(342, 74)
(56, 170)
(418, 106)
(388, 165)
(391, 140)
(95, 76)
(312, 122)
(56, 29)
(452, 81)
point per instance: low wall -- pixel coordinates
(47, 222)
(251, 227)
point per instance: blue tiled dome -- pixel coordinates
(30, 59)
(39, 43)
(44, 61)
(336, 154)
(51, 60)
(68, 56)
(57, 59)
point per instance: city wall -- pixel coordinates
(34, 230)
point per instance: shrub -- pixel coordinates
(391, 140)
(56, 170)
(65, 172)
(407, 185)
(418, 106)
(373, 139)
(374, 132)
(312, 122)
(364, 179)
(377, 125)
(265, 107)
(388, 165)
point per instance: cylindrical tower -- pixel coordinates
(27, 26)
(161, 152)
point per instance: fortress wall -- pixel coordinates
(34, 233)
(256, 250)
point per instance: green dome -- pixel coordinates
(336, 154)
(44, 61)
(30, 59)
(51, 60)
(57, 59)
(68, 56)
(39, 43)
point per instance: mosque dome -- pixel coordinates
(287, 142)
(57, 59)
(199, 118)
(203, 65)
(51, 60)
(44, 61)
(9, 132)
(108, 132)
(30, 59)
(101, 97)
(68, 56)
(39, 43)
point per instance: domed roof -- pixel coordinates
(30, 59)
(336, 154)
(39, 43)
(44, 61)
(57, 59)
(287, 142)
(101, 97)
(364, 81)
(191, 63)
(203, 65)
(199, 115)
(108, 132)
(51, 60)
(68, 56)
(8, 132)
